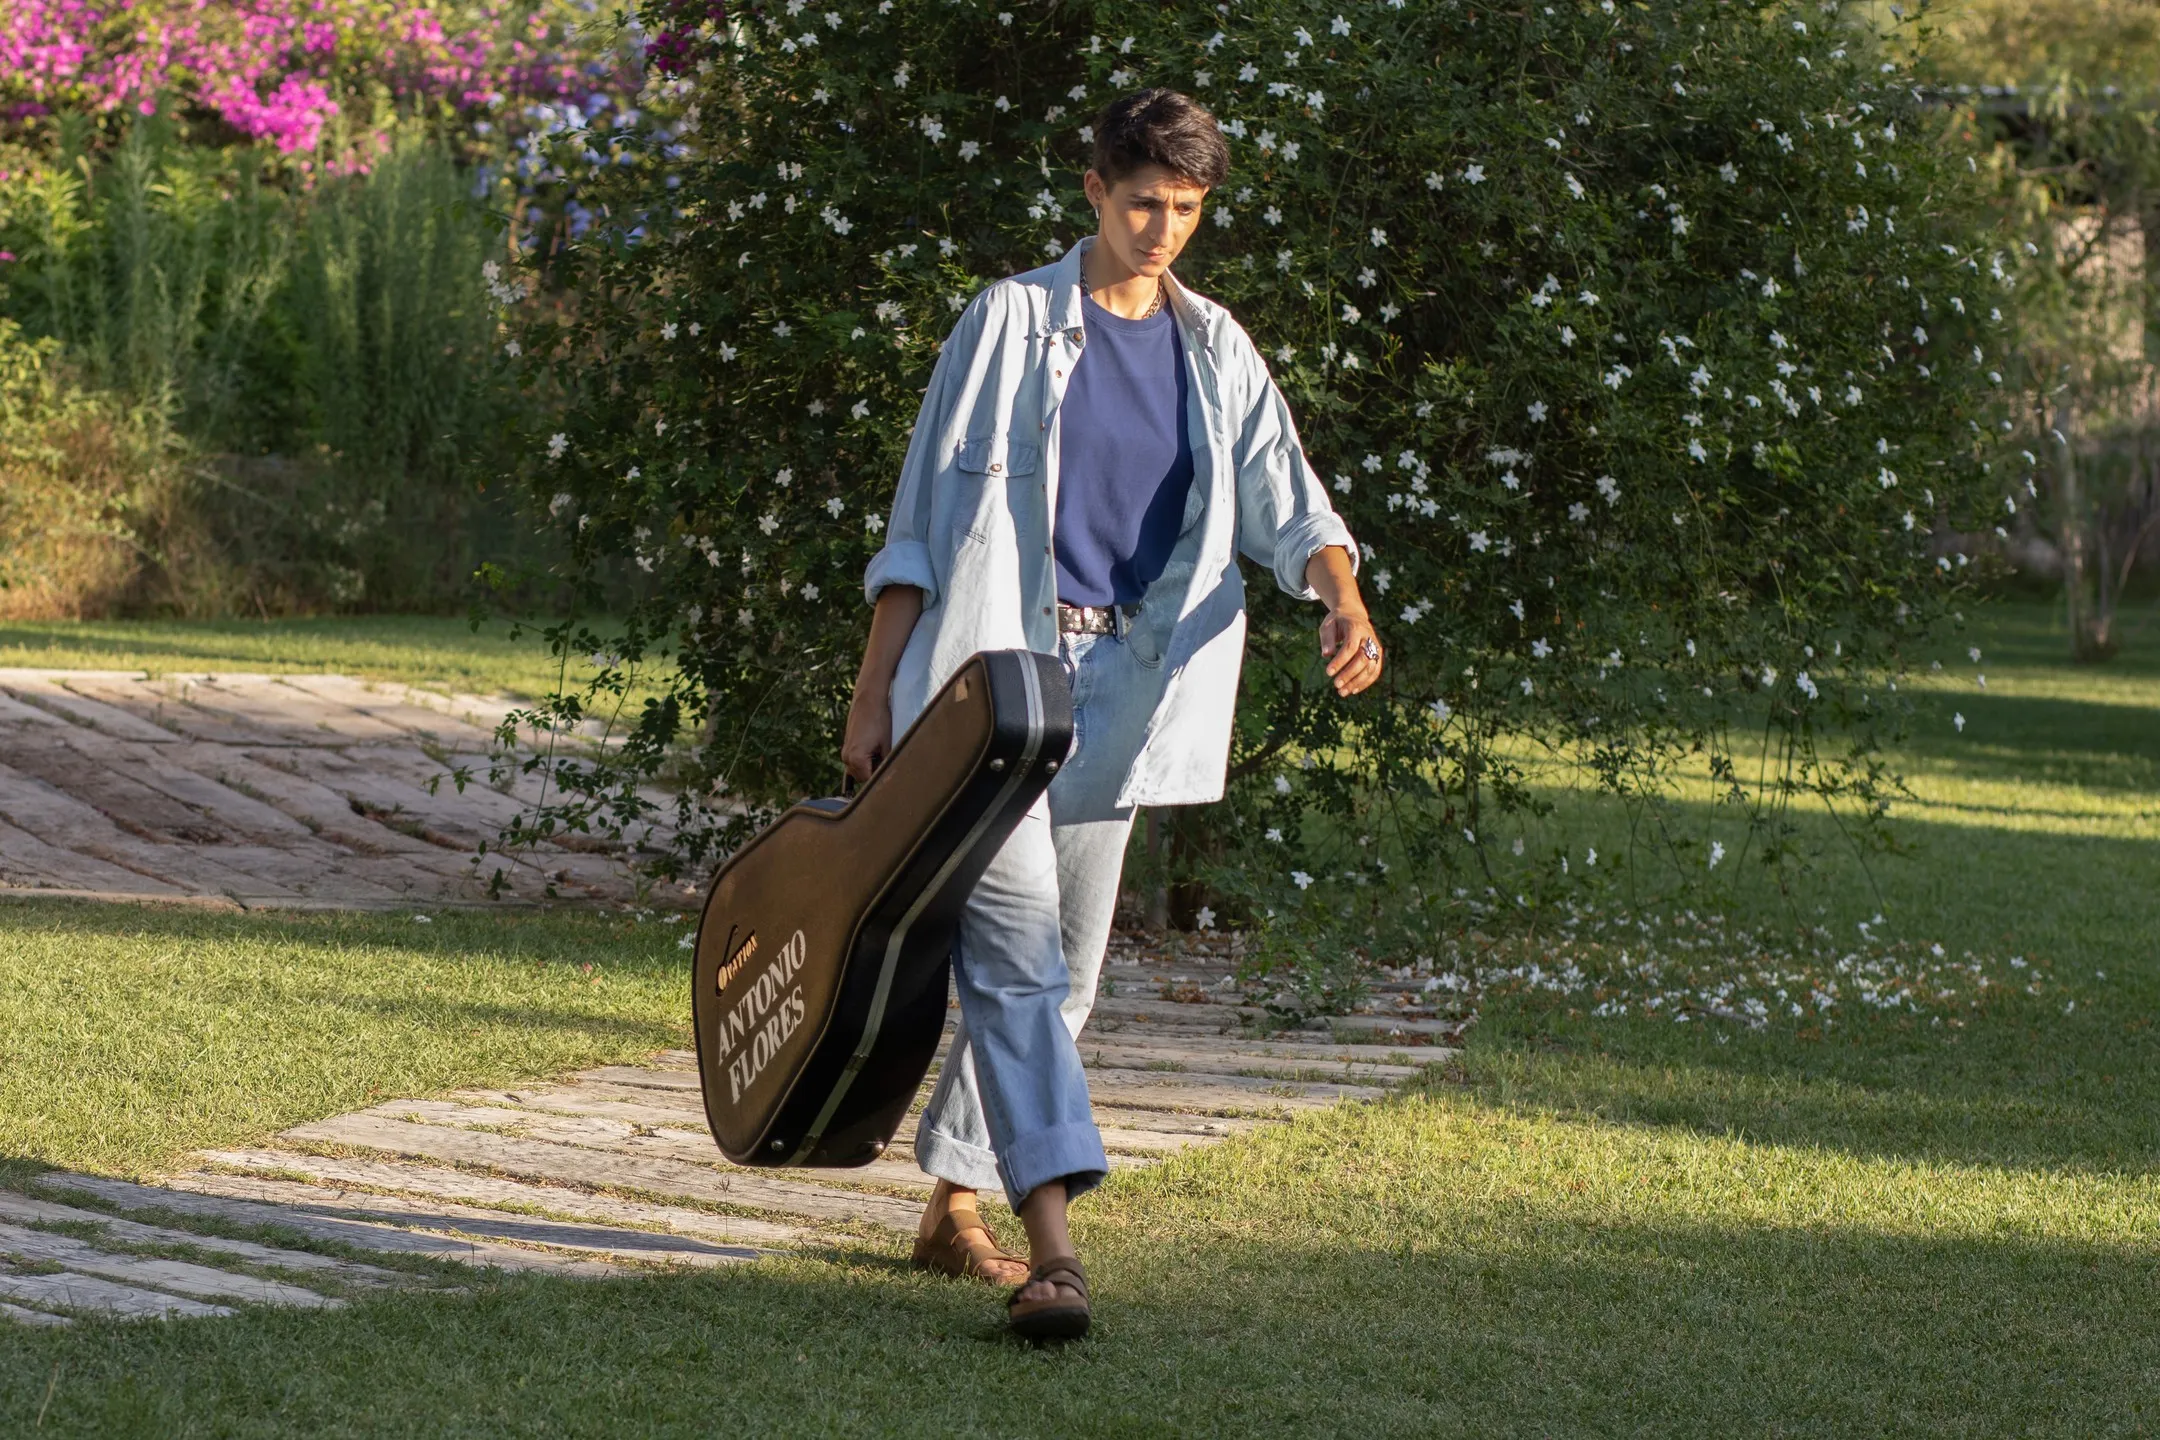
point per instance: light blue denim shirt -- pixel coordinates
(971, 522)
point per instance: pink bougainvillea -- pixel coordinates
(275, 70)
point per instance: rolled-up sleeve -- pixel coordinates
(1284, 517)
(905, 556)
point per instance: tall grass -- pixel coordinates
(325, 358)
(85, 488)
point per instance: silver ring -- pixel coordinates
(1370, 649)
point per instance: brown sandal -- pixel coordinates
(1061, 1317)
(962, 1248)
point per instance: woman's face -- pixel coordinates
(1146, 217)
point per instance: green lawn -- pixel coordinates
(1616, 1226)
(417, 649)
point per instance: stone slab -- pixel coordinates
(488, 1193)
(69, 1291)
(21, 1316)
(623, 1137)
(22, 1208)
(177, 1276)
(572, 1165)
(615, 1243)
(44, 690)
(363, 1235)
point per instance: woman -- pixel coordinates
(1096, 446)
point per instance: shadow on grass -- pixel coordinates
(2032, 1089)
(2020, 738)
(1217, 1322)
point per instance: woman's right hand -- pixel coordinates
(868, 737)
(869, 733)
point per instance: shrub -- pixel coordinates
(84, 484)
(1643, 348)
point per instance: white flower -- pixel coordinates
(1282, 784)
(1338, 26)
(1575, 187)
(834, 506)
(1959, 721)
(783, 329)
(1587, 298)
(1806, 686)
(1578, 512)
(727, 351)
(1472, 175)
(1609, 488)
(1567, 336)
(768, 522)
(1351, 314)
(1222, 215)
(1717, 853)
(1301, 879)
(1537, 412)
(1480, 541)
(1274, 835)
(557, 443)
(561, 502)
(1440, 711)
(1290, 151)
(1886, 477)
(1728, 172)
(860, 409)
(1433, 180)
(1539, 649)
(1378, 236)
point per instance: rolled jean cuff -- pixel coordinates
(972, 1167)
(1072, 1153)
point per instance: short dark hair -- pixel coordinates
(1160, 127)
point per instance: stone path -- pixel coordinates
(309, 791)
(611, 1172)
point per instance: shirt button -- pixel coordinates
(1057, 374)
(1046, 609)
(995, 467)
(1074, 335)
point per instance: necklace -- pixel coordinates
(1153, 305)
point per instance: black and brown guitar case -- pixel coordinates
(823, 954)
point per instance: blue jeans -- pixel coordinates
(1011, 1104)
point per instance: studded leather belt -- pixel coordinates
(1096, 619)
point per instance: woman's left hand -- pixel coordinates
(1352, 650)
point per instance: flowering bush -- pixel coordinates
(283, 70)
(1643, 348)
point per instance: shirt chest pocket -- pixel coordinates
(996, 455)
(983, 463)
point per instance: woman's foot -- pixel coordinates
(1053, 1302)
(1053, 1305)
(953, 1240)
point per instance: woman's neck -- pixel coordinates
(1114, 287)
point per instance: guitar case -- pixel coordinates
(818, 993)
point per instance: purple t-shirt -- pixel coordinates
(1125, 459)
